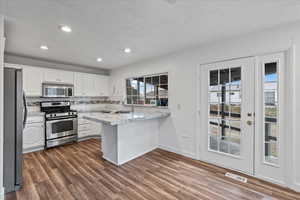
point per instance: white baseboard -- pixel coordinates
(180, 152)
(33, 149)
(89, 137)
(2, 193)
(296, 187)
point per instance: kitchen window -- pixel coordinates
(151, 90)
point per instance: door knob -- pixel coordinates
(249, 123)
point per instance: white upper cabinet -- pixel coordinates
(32, 80)
(59, 76)
(101, 85)
(85, 84)
(90, 84)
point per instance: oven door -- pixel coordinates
(61, 127)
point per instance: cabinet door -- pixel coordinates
(89, 86)
(67, 77)
(32, 80)
(52, 75)
(79, 84)
(101, 85)
(60, 76)
(33, 136)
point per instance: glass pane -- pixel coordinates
(141, 86)
(128, 84)
(235, 97)
(214, 128)
(225, 129)
(214, 97)
(163, 79)
(155, 80)
(148, 80)
(134, 99)
(141, 100)
(163, 102)
(214, 110)
(128, 91)
(129, 100)
(134, 85)
(214, 143)
(271, 152)
(150, 101)
(271, 112)
(163, 91)
(150, 90)
(271, 133)
(235, 75)
(224, 76)
(214, 77)
(235, 111)
(224, 146)
(224, 110)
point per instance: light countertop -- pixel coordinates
(118, 119)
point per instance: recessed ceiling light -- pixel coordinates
(44, 47)
(127, 50)
(65, 28)
(99, 59)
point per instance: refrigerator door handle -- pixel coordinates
(25, 110)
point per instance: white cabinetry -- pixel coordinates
(58, 76)
(101, 85)
(90, 84)
(32, 80)
(34, 134)
(85, 84)
(87, 128)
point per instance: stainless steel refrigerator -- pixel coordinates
(15, 113)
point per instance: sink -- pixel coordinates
(105, 111)
(122, 112)
(115, 112)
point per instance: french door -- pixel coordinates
(227, 112)
(240, 115)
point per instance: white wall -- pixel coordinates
(178, 133)
(1, 102)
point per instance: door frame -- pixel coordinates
(290, 99)
(247, 62)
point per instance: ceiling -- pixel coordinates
(151, 28)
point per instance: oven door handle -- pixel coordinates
(60, 120)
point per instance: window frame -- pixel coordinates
(155, 96)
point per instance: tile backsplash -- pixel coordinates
(35, 101)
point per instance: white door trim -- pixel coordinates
(290, 124)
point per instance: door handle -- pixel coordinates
(249, 122)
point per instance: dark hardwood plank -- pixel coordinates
(78, 172)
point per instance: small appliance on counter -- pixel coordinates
(61, 123)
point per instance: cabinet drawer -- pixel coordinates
(35, 119)
(82, 121)
(84, 127)
(33, 135)
(84, 133)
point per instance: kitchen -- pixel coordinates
(139, 108)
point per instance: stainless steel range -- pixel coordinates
(61, 123)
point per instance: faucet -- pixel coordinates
(123, 103)
(132, 108)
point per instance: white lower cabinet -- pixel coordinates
(33, 135)
(88, 128)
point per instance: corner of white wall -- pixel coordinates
(2, 40)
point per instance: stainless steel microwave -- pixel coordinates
(58, 90)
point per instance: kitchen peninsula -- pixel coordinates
(127, 135)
